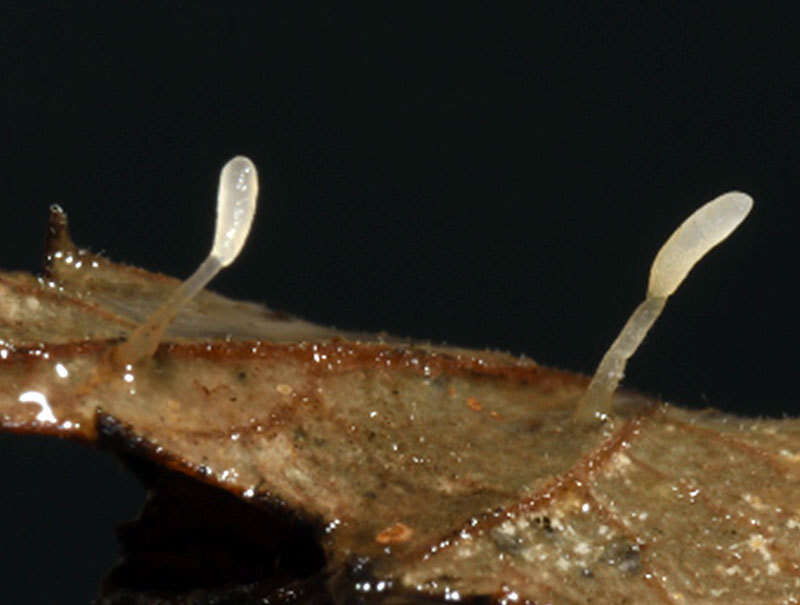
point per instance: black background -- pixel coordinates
(489, 178)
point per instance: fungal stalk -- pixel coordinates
(236, 206)
(696, 236)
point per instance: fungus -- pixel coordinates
(697, 235)
(236, 206)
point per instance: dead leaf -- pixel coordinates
(328, 439)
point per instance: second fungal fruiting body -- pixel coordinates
(696, 236)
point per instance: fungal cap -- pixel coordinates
(704, 229)
(236, 206)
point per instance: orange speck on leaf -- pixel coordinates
(394, 534)
(474, 404)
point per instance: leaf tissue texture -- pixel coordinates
(420, 473)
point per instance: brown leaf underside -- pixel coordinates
(455, 471)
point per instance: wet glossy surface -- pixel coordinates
(456, 473)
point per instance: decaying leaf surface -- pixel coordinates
(454, 473)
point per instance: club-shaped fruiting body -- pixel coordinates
(236, 206)
(695, 237)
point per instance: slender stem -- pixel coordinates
(596, 402)
(143, 342)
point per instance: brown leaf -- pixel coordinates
(455, 473)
